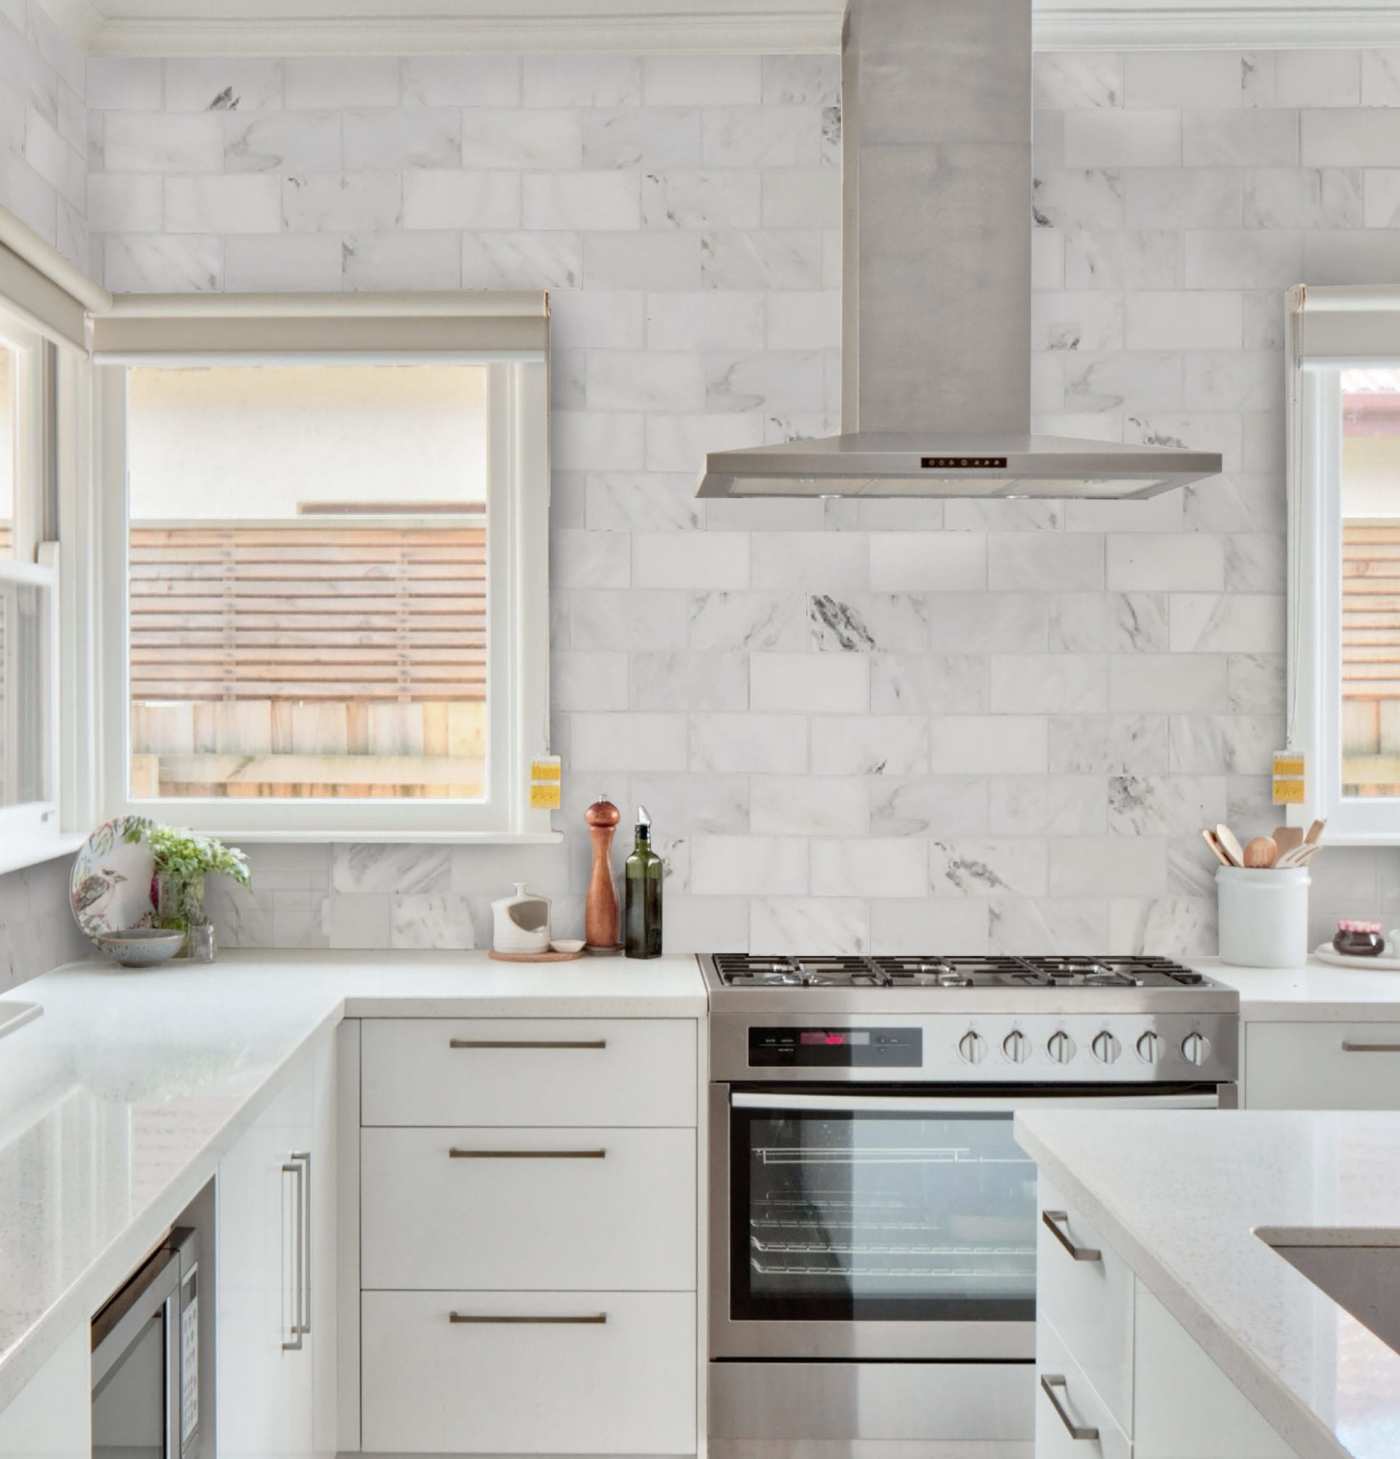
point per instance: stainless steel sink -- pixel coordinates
(1358, 1268)
(14, 1014)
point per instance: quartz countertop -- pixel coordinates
(117, 1103)
(1314, 992)
(1179, 1198)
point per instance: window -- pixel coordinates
(328, 602)
(29, 629)
(1344, 558)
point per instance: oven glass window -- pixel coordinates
(881, 1217)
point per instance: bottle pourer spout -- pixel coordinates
(643, 819)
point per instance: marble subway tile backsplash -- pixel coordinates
(873, 726)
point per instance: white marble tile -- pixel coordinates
(938, 805)
(681, 80)
(1183, 79)
(1165, 805)
(342, 81)
(645, 501)
(1075, 80)
(156, 142)
(1175, 927)
(358, 869)
(358, 921)
(1002, 744)
(366, 202)
(153, 264)
(1078, 197)
(1108, 744)
(1081, 319)
(753, 621)
(1086, 623)
(708, 320)
(869, 622)
(124, 83)
(1352, 258)
(677, 198)
(865, 745)
(1256, 684)
(801, 80)
(588, 680)
(1108, 866)
(979, 866)
(301, 142)
(954, 926)
(757, 744)
(1050, 561)
(1166, 561)
(807, 683)
(690, 680)
(1350, 137)
(1165, 682)
(740, 259)
(597, 200)
(1182, 197)
(247, 203)
(441, 921)
(1313, 197)
(283, 263)
(1047, 683)
(582, 80)
(655, 138)
(717, 560)
(632, 742)
(379, 140)
(580, 559)
(1206, 743)
(769, 136)
(598, 441)
(1184, 320)
(988, 622)
(516, 260)
(1047, 805)
(1105, 137)
(466, 81)
(402, 261)
(655, 260)
(778, 383)
(1232, 623)
(632, 619)
(823, 562)
(870, 867)
(750, 866)
(798, 924)
(636, 380)
(438, 199)
(1242, 259)
(1020, 925)
(928, 562)
(928, 684)
(125, 203)
(1139, 381)
(798, 198)
(797, 805)
(197, 83)
(1240, 138)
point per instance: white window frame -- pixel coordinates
(31, 831)
(506, 332)
(1329, 330)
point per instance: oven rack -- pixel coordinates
(880, 1155)
(981, 1274)
(778, 1223)
(818, 1248)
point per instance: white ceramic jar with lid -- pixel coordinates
(520, 922)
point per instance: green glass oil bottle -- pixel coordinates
(642, 894)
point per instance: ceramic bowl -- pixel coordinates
(141, 947)
(566, 944)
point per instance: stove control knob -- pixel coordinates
(1060, 1047)
(1016, 1046)
(972, 1047)
(1149, 1048)
(1195, 1049)
(1106, 1048)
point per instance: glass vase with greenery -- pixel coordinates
(182, 861)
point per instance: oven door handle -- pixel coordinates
(956, 1104)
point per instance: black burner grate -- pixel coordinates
(917, 970)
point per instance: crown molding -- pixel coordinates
(701, 26)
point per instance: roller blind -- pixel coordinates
(168, 327)
(1343, 325)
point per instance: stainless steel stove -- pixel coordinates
(873, 1223)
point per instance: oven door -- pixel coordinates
(889, 1223)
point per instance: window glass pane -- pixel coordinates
(7, 452)
(1370, 653)
(24, 680)
(308, 581)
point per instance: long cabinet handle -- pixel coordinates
(1051, 1383)
(1052, 1220)
(303, 1157)
(588, 1319)
(455, 1154)
(295, 1169)
(527, 1043)
(1348, 1047)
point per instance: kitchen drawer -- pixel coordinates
(1079, 1402)
(1306, 1066)
(528, 1208)
(528, 1071)
(1089, 1303)
(529, 1385)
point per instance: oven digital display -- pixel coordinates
(835, 1048)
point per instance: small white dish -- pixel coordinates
(567, 944)
(1326, 953)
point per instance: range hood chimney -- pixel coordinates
(937, 304)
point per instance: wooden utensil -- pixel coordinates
(1261, 853)
(1314, 834)
(1208, 836)
(1286, 838)
(1230, 844)
(600, 910)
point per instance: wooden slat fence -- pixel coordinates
(1371, 657)
(312, 656)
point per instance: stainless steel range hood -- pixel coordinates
(937, 304)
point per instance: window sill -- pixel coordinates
(393, 838)
(18, 852)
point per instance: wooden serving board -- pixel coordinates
(536, 957)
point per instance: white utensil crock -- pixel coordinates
(520, 922)
(1263, 916)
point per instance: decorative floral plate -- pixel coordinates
(111, 886)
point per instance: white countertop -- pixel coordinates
(117, 1103)
(1178, 1197)
(1315, 992)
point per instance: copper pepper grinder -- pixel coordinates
(600, 911)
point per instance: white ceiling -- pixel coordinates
(266, 27)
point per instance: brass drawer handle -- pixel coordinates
(1049, 1382)
(455, 1154)
(527, 1043)
(1350, 1048)
(1052, 1220)
(591, 1319)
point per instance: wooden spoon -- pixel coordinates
(1314, 834)
(1230, 844)
(1208, 836)
(1261, 853)
(1286, 838)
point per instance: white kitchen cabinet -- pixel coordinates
(507, 1209)
(1116, 1361)
(276, 1348)
(529, 1071)
(529, 1372)
(51, 1416)
(1322, 1066)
